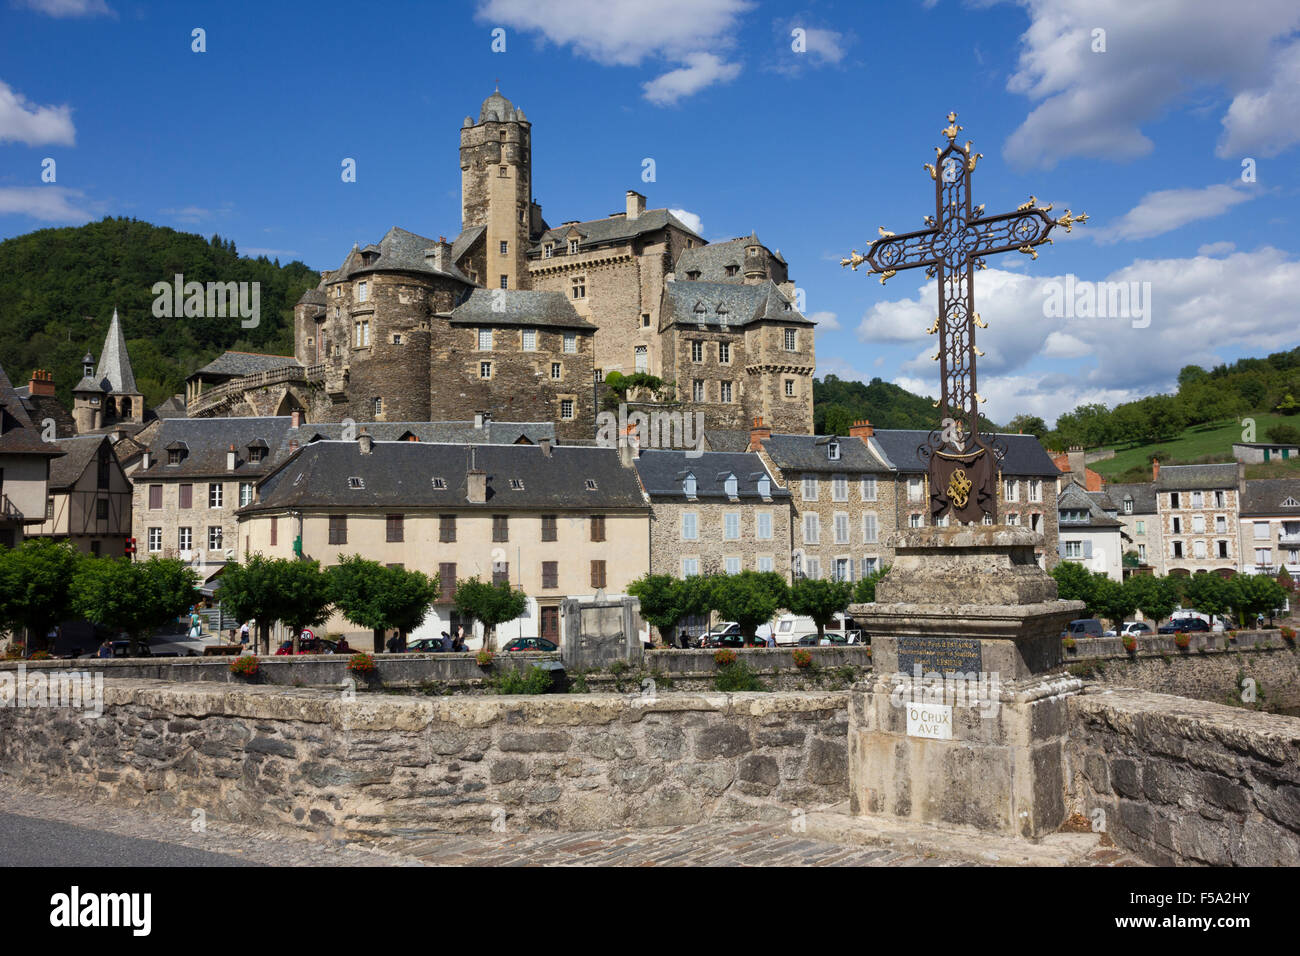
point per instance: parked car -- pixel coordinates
(1185, 625)
(788, 627)
(531, 644)
(123, 649)
(1083, 627)
(425, 645)
(725, 640)
(1136, 628)
(308, 645)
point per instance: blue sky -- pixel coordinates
(813, 150)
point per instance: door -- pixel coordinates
(550, 624)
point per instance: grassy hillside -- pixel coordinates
(1201, 443)
(58, 288)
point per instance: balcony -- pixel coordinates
(1292, 538)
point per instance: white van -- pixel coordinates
(788, 628)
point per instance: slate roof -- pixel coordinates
(1143, 494)
(799, 453)
(460, 245)
(663, 470)
(313, 297)
(41, 407)
(1025, 456)
(522, 307)
(612, 229)
(79, 453)
(496, 108)
(711, 260)
(492, 433)
(1196, 477)
(400, 251)
(245, 363)
(114, 373)
(743, 304)
(1074, 498)
(399, 474)
(18, 436)
(207, 440)
(1264, 497)
(726, 439)
(174, 407)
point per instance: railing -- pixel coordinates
(8, 510)
(219, 394)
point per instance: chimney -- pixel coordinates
(293, 445)
(862, 428)
(635, 204)
(438, 256)
(295, 419)
(757, 433)
(626, 454)
(545, 444)
(230, 458)
(482, 419)
(1155, 470)
(364, 442)
(476, 486)
(146, 459)
(42, 383)
(1078, 468)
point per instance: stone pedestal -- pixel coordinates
(964, 721)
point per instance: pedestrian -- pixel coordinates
(243, 633)
(392, 643)
(196, 625)
(105, 649)
(447, 641)
(343, 647)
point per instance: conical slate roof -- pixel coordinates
(114, 373)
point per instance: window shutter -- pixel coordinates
(1087, 549)
(1060, 549)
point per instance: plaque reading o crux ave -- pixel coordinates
(947, 655)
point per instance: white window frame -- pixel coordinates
(763, 525)
(690, 526)
(731, 526)
(812, 530)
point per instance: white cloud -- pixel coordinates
(840, 369)
(689, 220)
(701, 70)
(24, 122)
(1094, 103)
(47, 203)
(627, 32)
(1167, 209)
(189, 214)
(1216, 248)
(68, 8)
(822, 46)
(1200, 308)
(826, 321)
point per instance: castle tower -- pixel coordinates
(496, 188)
(108, 395)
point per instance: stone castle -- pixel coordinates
(525, 320)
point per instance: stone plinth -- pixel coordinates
(965, 721)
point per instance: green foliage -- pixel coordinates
(276, 589)
(837, 420)
(820, 599)
(534, 681)
(737, 677)
(1113, 600)
(1074, 582)
(1156, 597)
(134, 597)
(864, 592)
(492, 604)
(59, 287)
(661, 597)
(34, 586)
(1284, 434)
(884, 404)
(1252, 594)
(749, 598)
(1209, 594)
(1028, 425)
(375, 596)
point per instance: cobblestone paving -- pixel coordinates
(712, 844)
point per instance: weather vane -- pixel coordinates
(963, 464)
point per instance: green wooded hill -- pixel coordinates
(838, 403)
(58, 288)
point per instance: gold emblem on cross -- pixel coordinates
(959, 487)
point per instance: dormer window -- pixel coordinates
(1128, 506)
(732, 270)
(591, 484)
(833, 451)
(355, 482)
(693, 274)
(765, 487)
(688, 486)
(573, 247)
(256, 454)
(439, 484)
(1291, 503)
(516, 484)
(731, 486)
(173, 456)
(548, 250)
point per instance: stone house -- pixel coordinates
(24, 468)
(1135, 507)
(1089, 535)
(1198, 508)
(1257, 453)
(717, 512)
(843, 493)
(1270, 526)
(89, 498)
(557, 521)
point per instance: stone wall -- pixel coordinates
(1186, 782)
(381, 765)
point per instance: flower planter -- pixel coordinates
(1182, 641)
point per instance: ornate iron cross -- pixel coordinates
(953, 246)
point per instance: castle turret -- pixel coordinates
(496, 188)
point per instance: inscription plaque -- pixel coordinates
(947, 655)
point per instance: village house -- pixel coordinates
(1090, 533)
(89, 497)
(1135, 507)
(1270, 526)
(1198, 508)
(24, 468)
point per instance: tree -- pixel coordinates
(865, 590)
(1253, 594)
(491, 604)
(1209, 594)
(34, 587)
(1028, 425)
(1284, 434)
(661, 597)
(1074, 582)
(381, 598)
(1156, 597)
(134, 597)
(265, 590)
(838, 420)
(749, 598)
(820, 599)
(1113, 600)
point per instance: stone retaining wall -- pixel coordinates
(382, 765)
(1186, 782)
